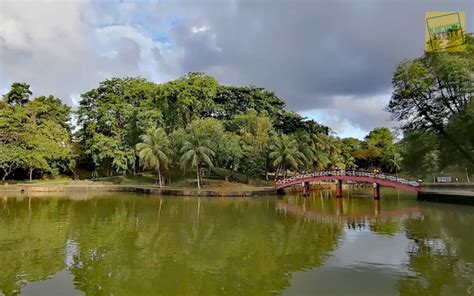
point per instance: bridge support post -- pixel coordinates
(376, 191)
(339, 188)
(306, 188)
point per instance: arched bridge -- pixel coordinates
(380, 179)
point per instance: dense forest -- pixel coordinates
(130, 125)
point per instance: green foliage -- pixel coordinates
(19, 94)
(433, 90)
(196, 149)
(233, 100)
(285, 154)
(34, 134)
(153, 151)
(112, 118)
(188, 98)
(10, 158)
(431, 162)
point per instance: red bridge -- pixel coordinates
(360, 176)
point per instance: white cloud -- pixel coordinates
(199, 29)
(353, 116)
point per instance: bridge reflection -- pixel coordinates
(335, 210)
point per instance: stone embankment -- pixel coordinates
(153, 190)
(457, 193)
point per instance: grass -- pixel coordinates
(217, 179)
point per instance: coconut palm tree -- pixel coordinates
(196, 152)
(306, 147)
(326, 150)
(285, 154)
(393, 161)
(154, 151)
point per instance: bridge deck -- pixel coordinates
(382, 179)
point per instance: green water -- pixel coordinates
(115, 244)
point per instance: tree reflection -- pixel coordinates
(32, 240)
(163, 247)
(441, 256)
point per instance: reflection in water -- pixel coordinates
(135, 245)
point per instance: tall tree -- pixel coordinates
(153, 151)
(112, 118)
(189, 97)
(10, 159)
(254, 129)
(431, 163)
(18, 94)
(430, 90)
(195, 152)
(233, 100)
(35, 132)
(285, 154)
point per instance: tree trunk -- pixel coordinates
(5, 175)
(31, 174)
(266, 167)
(159, 178)
(197, 175)
(276, 173)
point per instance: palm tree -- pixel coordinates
(306, 147)
(195, 151)
(394, 162)
(327, 149)
(285, 154)
(153, 151)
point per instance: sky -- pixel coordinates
(329, 60)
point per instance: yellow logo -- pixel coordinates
(445, 31)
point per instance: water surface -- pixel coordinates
(125, 244)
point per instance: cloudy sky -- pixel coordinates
(331, 60)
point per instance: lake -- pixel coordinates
(128, 244)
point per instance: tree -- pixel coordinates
(35, 134)
(196, 153)
(327, 151)
(254, 130)
(153, 151)
(233, 100)
(306, 148)
(430, 90)
(393, 161)
(34, 160)
(229, 153)
(187, 98)
(431, 163)
(349, 146)
(377, 144)
(461, 127)
(285, 154)
(10, 159)
(19, 94)
(413, 148)
(112, 118)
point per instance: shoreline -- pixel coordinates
(145, 189)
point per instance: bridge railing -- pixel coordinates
(350, 173)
